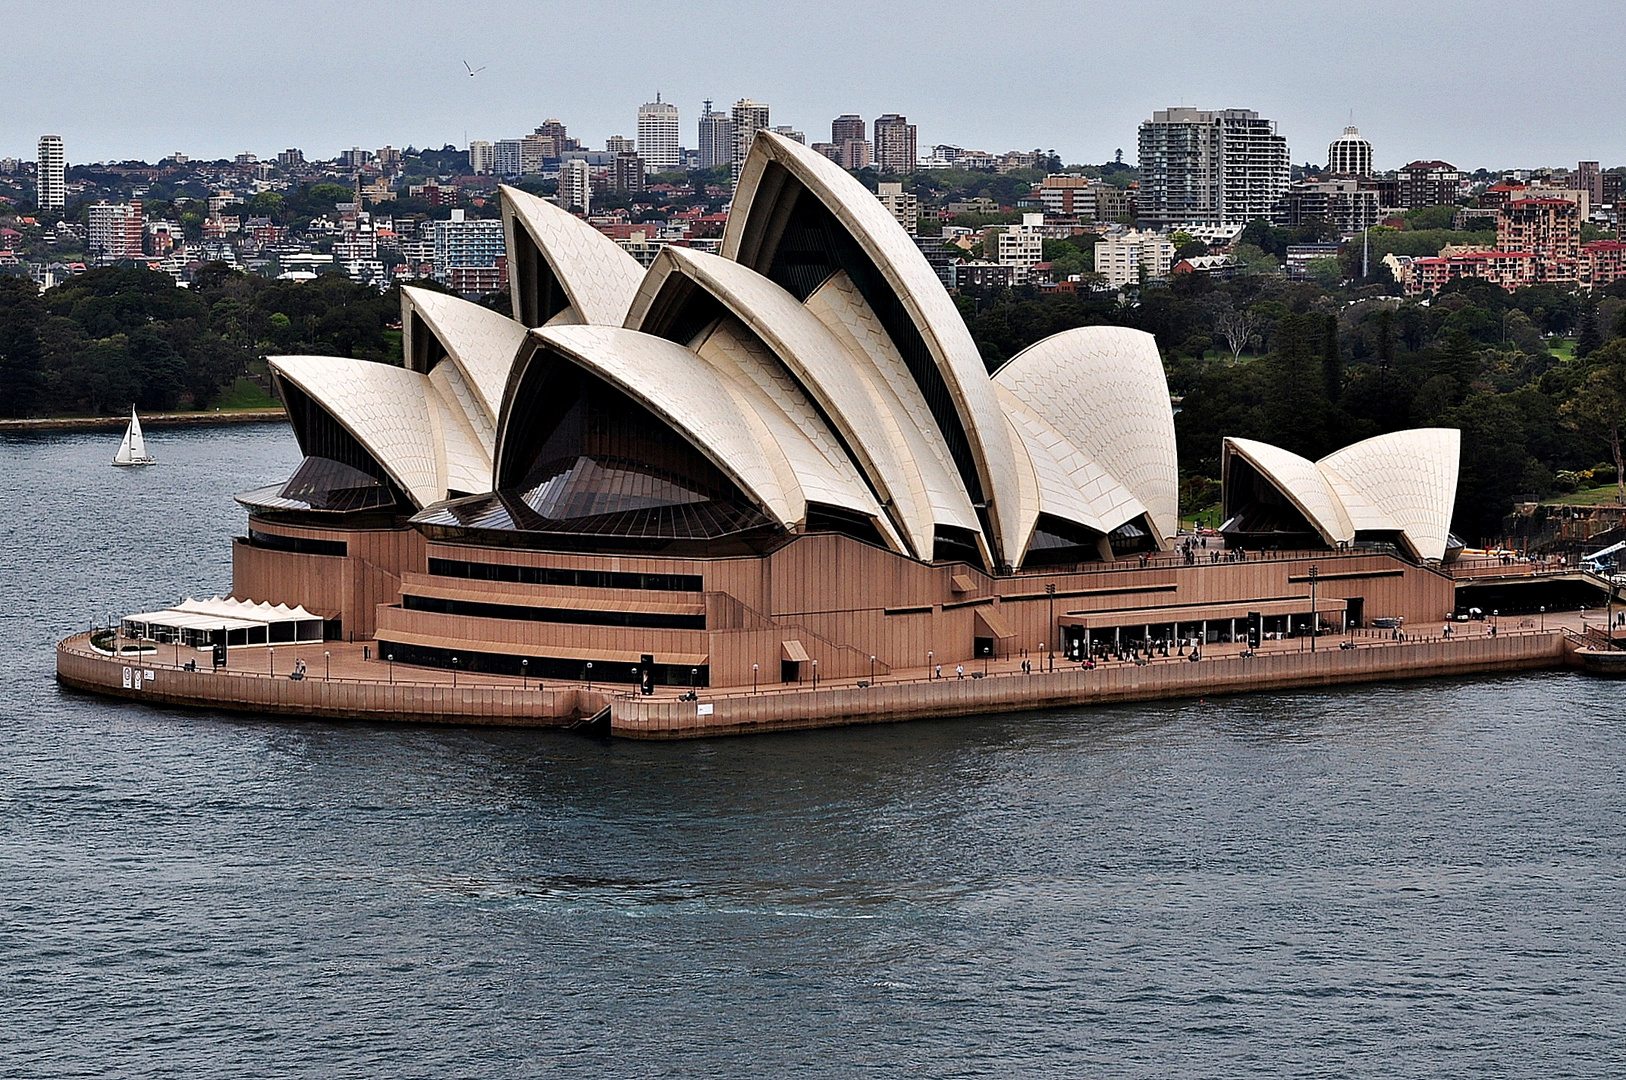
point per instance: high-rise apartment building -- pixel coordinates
(289, 158)
(1589, 178)
(620, 144)
(658, 135)
(470, 256)
(627, 172)
(562, 141)
(505, 157)
(1210, 167)
(902, 205)
(1428, 183)
(482, 160)
(533, 150)
(847, 126)
(51, 174)
(1022, 246)
(114, 230)
(1349, 154)
(716, 141)
(791, 133)
(894, 144)
(575, 186)
(1549, 229)
(749, 117)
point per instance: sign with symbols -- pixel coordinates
(127, 678)
(703, 710)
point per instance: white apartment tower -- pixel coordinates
(482, 157)
(748, 116)
(51, 174)
(575, 185)
(1121, 260)
(902, 205)
(1202, 167)
(658, 135)
(1349, 154)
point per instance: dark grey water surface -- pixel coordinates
(1406, 880)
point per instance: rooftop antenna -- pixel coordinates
(708, 106)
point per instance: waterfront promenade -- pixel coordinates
(341, 683)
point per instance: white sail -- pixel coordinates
(133, 450)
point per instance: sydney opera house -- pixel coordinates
(731, 468)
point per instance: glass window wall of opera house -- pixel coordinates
(787, 452)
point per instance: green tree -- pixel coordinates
(1598, 404)
(22, 376)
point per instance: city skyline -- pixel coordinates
(1373, 66)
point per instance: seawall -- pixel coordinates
(494, 700)
(506, 704)
(152, 420)
(646, 718)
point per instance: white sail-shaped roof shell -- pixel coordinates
(480, 341)
(864, 404)
(1406, 479)
(1102, 389)
(749, 237)
(1404, 482)
(599, 278)
(415, 426)
(728, 402)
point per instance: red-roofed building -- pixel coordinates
(1602, 262)
(1509, 269)
(1551, 228)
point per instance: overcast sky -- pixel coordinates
(1485, 83)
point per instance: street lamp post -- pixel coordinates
(1315, 619)
(524, 675)
(327, 665)
(271, 661)
(1050, 595)
(815, 674)
(753, 678)
(589, 675)
(872, 670)
(928, 665)
(1544, 617)
(454, 673)
(694, 672)
(391, 659)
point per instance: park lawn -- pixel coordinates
(245, 394)
(1601, 496)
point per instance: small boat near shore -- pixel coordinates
(133, 450)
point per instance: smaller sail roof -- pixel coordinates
(1404, 483)
(412, 424)
(480, 341)
(597, 275)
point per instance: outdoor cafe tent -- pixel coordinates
(195, 623)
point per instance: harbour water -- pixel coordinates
(1422, 879)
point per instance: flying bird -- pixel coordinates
(473, 71)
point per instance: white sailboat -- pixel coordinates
(133, 450)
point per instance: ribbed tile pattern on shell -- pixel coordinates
(481, 341)
(1103, 389)
(688, 394)
(598, 276)
(911, 277)
(1300, 480)
(1408, 479)
(386, 408)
